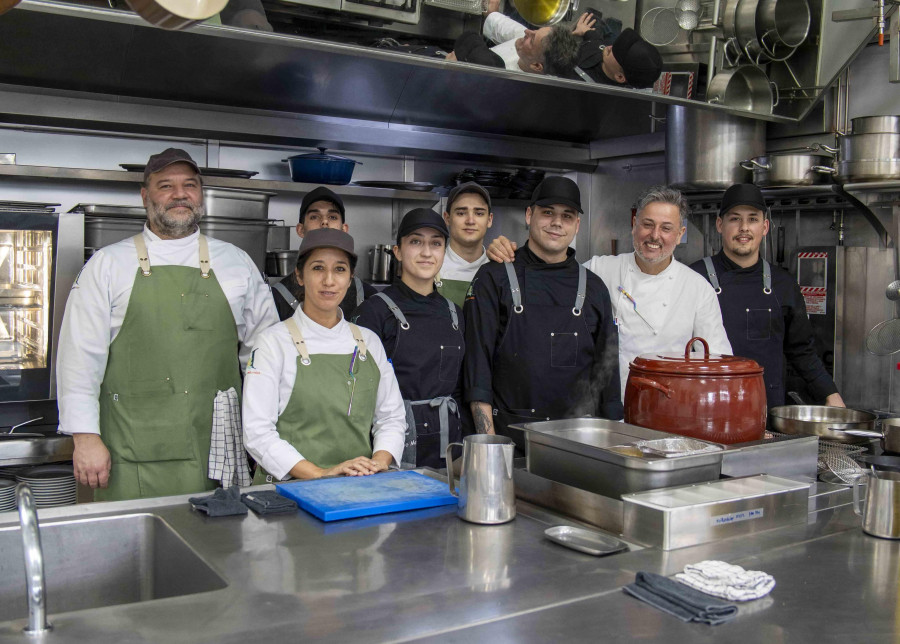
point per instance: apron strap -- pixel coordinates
(767, 278)
(204, 257)
(143, 256)
(454, 320)
(446, 405)
(395, 310)
(287, 295)
(582, 290)
(359, 290)
(711, 274)
(299, 342)
(514, 287)
(584, 75)
(360, 342)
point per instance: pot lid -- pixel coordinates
(321, 155)
(696, 363)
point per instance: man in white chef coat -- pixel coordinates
(156, 326)
(659, 303)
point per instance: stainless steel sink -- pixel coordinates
(91, 563)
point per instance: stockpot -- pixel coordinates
(745, 88)
(717, 398)
(781, 169)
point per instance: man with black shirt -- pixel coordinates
(540, 338)
(320, 208)
(762, 307)
(627, 60)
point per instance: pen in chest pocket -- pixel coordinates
(352, 382)
(634, 306)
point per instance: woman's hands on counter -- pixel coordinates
(359, 466)
(91, 460)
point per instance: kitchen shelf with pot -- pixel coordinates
(51, 173)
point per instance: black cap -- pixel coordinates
(327, 238)
(557, 190)
(742, 194)
(471, 48)
(421, 218)
(166, 158)
(320, 194)
(468, 187)
(639, 60)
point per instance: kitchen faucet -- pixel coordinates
(34, 562)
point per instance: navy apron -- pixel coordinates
(437, 348)
(751, 313)
(544, 363)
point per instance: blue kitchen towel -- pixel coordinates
(682, 601)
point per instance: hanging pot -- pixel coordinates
(321, 168)
(744, 88)
(712, 397)
(790, 169)
(543, 13)
(782, 23)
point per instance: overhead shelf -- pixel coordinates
(50, 173)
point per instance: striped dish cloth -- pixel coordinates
(227, 458)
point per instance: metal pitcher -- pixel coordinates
(486, 493)
(880, 511)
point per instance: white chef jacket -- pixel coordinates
(504, 31)
(269, 382)
(458, 269)
(678, 303)
(98, 302)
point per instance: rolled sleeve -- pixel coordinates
(84, 341)
(261, 408)
(499, 28)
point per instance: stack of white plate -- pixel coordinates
(7, 495)
(51, 485)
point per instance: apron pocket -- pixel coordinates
(196, 312)
(450, 358)
(563, 349)
(759, 324)
(154, 426)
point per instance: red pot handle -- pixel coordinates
(687, 349)
(639, 382)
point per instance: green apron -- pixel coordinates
(453, 290)
(315, 420)
(177, 347)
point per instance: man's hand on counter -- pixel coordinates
(835, 400)
(502, 250)
(91, 460)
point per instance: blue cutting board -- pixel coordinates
(349, 497)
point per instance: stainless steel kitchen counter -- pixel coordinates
(427, 574)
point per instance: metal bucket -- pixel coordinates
(704, 148)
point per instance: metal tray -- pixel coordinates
(586, 541)
(599, 456)
(420, 186)
(208, 172)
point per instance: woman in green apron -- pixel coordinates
(320, 398)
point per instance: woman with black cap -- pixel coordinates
(423, 333)
(320, 398)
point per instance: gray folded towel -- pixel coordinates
(221, 503)
(268, 502)
(683, 602)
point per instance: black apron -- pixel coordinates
(751, 313)
(436, 349)
(543, 365)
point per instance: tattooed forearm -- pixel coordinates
(484, 422)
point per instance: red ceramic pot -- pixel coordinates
(715, 397)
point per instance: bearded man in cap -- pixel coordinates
(540, 339)
(320, 208)
(156, 330)
(762, 306)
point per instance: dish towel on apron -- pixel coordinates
(227, 458)
(725, 580)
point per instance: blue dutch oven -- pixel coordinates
(321, 168)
